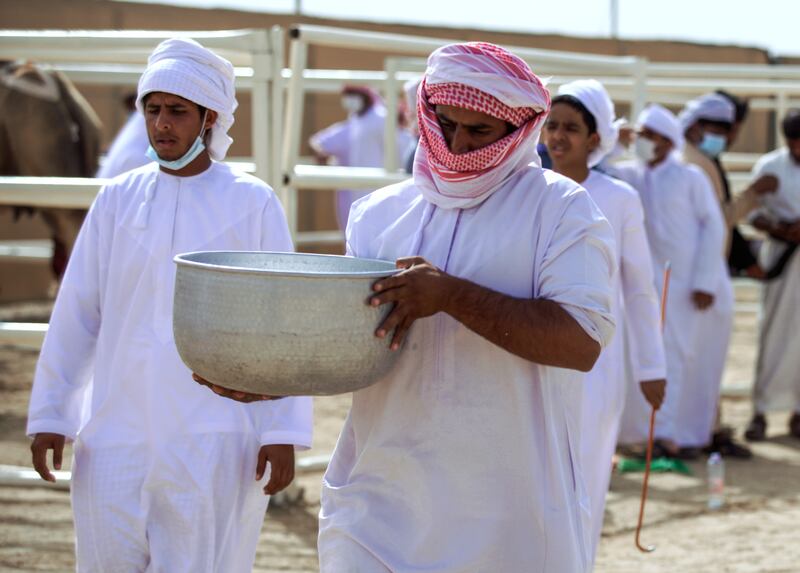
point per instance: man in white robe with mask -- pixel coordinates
(358, 141)
(706, 122)
(777, 385)
(466, 456)
(166, 477)
(685, 228)
(580, 130)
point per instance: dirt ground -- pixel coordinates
(756, 531)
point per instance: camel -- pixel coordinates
(47, 129)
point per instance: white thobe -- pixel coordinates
(465, 458)
(358, 142)
(635, 306)
(128, 149)
(164, 469)
(685, 228)
(713, 330)
(777, 384)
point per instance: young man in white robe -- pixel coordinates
(466, 456)
(358, 141)
(777, 385)
(166, 477)
(580, 130)
(684, 228)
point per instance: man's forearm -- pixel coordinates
(781, 230)
(538, 330)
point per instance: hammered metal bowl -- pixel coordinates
(280, 324)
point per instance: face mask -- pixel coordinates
(645, 149)
(352, 103)
(713, 144)
(196, 149)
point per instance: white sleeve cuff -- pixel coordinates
(51, 427)
(300, 440)
(652, 373)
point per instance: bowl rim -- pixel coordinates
(182, 260)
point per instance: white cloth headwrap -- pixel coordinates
(663, 122)
(711, 107)
(183, 67)
(595, 98)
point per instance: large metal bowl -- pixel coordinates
(280, 324)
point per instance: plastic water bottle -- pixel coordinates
(716, 481)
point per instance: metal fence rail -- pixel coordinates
(117, 58)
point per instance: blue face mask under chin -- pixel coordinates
(713, 144)
(196, 149)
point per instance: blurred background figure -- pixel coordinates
(777, 385)
(706, 122)
(47, 129)
(128, 148)
(357, 141)
(742, 254)
(711, 123)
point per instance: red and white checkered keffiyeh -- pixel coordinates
(488, 79)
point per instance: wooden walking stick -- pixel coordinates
(650, 437)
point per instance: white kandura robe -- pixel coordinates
(465, 458)
(635, 306)
(777, 384)
(697, 410)
(685, 227)
(358, 142)
(164, 469)
(128, 149)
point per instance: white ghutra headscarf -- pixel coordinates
(596, 100)
(711, 107)
(183, 67)
(662, 121)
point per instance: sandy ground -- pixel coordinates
(755, 532)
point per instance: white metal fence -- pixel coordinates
(118, 57)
